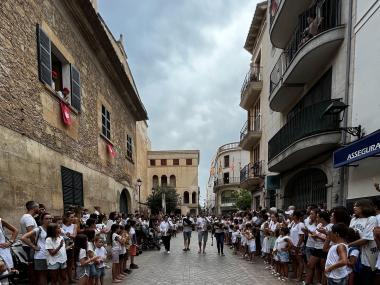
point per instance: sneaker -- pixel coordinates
(168, 252)
(133, 266)
(222, 254)
(128, 271)
(185, 249)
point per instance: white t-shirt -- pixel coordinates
(310, 227)
(355, 252)
(102, 252)
(26, 221)
(60, 255)
(234, 237)
(320, 242)
(295, 232)
(187, 227)
(40, 254)
(82, 254)
(201, 224)
(115, 244)
(365, 228)
(282, 242)
(333, 258)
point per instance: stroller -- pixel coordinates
(20, 261)
(150, 239)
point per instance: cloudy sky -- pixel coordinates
(188, 62)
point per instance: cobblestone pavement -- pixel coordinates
(157, 267)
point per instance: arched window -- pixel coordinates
(194, 197)
(155, 182)
(173, 181)
(164, 181)
(186, 197)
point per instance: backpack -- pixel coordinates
(358, 264)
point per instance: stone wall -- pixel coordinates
(34, 139)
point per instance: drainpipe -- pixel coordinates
(344, 170)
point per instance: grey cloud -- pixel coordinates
(189, 64)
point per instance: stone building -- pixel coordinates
(75, 149)
(178, 169)
(229, 160)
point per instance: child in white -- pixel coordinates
(56, 254)
(101, 253)
(336, 262)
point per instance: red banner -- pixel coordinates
(65, 110)
(111, 150)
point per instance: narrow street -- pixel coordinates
(193, 268)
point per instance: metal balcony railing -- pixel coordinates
(253, 75)
(227, 181)
(274, 5)
(252, 125)
(252, 170)
(306, 122)
(322, 16)
(228, 200)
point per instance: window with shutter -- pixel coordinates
(72, 187)
(44, 56)
(106, 123)
(75, 88)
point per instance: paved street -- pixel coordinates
(193, 268)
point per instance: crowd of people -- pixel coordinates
(313, 245)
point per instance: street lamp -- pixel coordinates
(139, 185)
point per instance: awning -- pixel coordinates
(365, 147)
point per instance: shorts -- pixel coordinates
(186, 235)
(92, 269)
(57, 266)
(283, 256)
(319, 253)
(83, 271)
(101, 272)
(121, 256)
(40, 264)
(115, 256)
(203, 235)
(308, 252)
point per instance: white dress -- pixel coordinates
(5, 253)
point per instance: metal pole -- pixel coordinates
(139, 201)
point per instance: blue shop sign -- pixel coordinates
(365, 147)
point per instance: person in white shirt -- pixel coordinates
(101, 253)
(165, 228)
(40, 255)
(56, 254)
(202, 227)
(364, 222)
(336, 262)
(297, 238)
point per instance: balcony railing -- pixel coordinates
(254, 75)
(227, 181)
(252, 170)
(321, 17)
(228, 200)
(252, 125)
(306, 122)
(274, 5)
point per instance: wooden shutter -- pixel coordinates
(75, 88)
(72, 187)
(44, 56)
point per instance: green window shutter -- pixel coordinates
(44, 56)
(75, 88)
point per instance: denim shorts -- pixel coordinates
(57, 266)
(83, 271)
(202, 235)
(283, 256)
(332, 281)
(186, 235)
(115, 256)
(101, 272)
(93, 272)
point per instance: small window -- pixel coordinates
(189, 161)
(175, 161)
(226, 161)
(106, 123)
(152, 162)
(163, 162)
(226, 178)
(129, 148)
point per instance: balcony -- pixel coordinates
(228, 147)
(252, 175)
(226, 182)
(307, 134)
(250, 134)
(228, 201)
(284, 18)
(252, 85)
(310, 50)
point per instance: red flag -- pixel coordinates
(111, 150)
(65, 110)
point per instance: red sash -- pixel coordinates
(65, 110)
